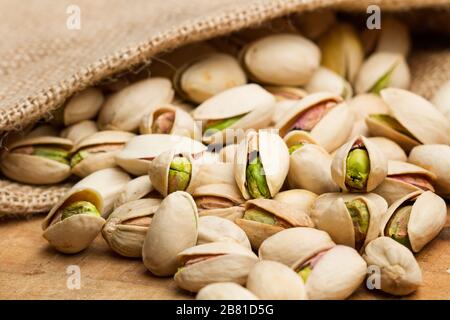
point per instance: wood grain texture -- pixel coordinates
(30, 269)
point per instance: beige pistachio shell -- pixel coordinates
(208, 75)
(360, 129)
(380, 65)
(257, 232)
(183, 124)
(140, 98)
(441, 99)
(126, 227)
(427, 218)
(295, 245)
(400, 272)
(391, 150)
(366, 104)
(337, 222)
(298, 137)
(227, 153)
(394, 37)
(134, 190)
(83, 106)
(271, 280)
(211, 173)
(324, 79)
(315, 23)
(75, 233)
(280, 109)
(139, 151)
(309, 169)
(378, 164)
(34, 169)
(393, 189)
(283, 59)
(286, 93)
(274, 157)
(174, 228)
(215, 229)
(336, 275)
(301, 199)
(435, 158)
(226, 262)
(225, 291)
(79, 131)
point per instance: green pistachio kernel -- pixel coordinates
(179, 174)
(392, 123)
(295, 147)
(260, 216)
(358, 168)
(78, 157)
(52, 153)
(305, 272)
(222, 124)
(397, 227)
(360, 216)
(80, 207)
(256, 179)
(383, 82)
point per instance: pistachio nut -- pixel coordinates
(415, 219)
(323, 116)
(400, 272)
(213, 262)
(126, 227)
(265, 217)
(359, 166)
(135, 189)
(208, 75)
(140, 151)
(78, 131)
(82, 106)
(37, 160)
(169, 120)
(315, 23)
(362, 106)
(271, 280)
(244, 107)
(174, 228)
(227, 153)
(225, 291)
(327, 80)
(342, 50)
(98, 151)
(296, 139)
(221, 200)
(216, 229)
(74, 221)
(382, 70)
(435, 158)
(404, 178)
(281, 59)
(301, 199)
(283, 93)
(140, 98)
(441, 99)
(391, 150)
(261, 164)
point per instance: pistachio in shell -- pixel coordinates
(362, 106)
(286, 93)
(227, 153)
(300, 198)
(315, 23)
(79, 131)
(225, 291)
(441, 99)
(324, 79)
(82, 106)
(216, 229)
(135, 189)
(391, 149)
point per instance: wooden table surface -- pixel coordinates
(30, 269)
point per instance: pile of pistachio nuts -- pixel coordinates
(275, 163)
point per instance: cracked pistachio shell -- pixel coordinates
(74, 233)
(79, 131)
(283, 93)
(337, 222)
(224, 262)
(134, 190)
(382, 70)
(427, 218)
(33, 169)
(295, 245)
(441, 99)
(333, 128)
(225, 291)
(182, 124)
(324, 79)
(271, 280)
(365, 104)
(301, 199)
(282, 59)
(227, 153)
(222, 192)
(309, 169)
(391, 150)
(215, 229)
(251, 102)
(257, 232)
(139, 151)
(126, 227)
(139, 99)
(393, 189)
(207, 76)
(274, 157)
(83, 106)
(377, 161)
(315, 23)
(336, 275)
(400, 272)
(435, 158)
(297, 137)
(174, 228)
(99, 160)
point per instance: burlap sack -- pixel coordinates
(43, 62)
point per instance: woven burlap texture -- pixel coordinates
(44, 62)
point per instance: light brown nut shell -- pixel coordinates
(378, 164)
(79, 131)
(400, 272)
(301, 199)
(324, 79)
(215, 229)
(225, 291)
(232, 264)
(441, 99)
(271, 280)
(174, 228)
(315, 23)
(391, 149)
(83, 106)
(227, 153)
(366, 104)
(298, 136)
(427, 218)
(134, 190)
